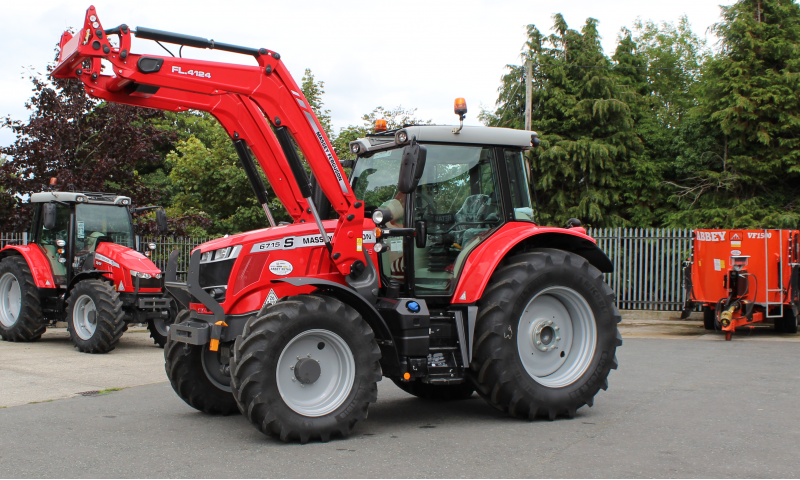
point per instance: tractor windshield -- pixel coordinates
(95, 221)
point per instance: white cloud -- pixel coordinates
(416, 53)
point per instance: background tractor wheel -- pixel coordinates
(194, 373)
(427, 391)
(307, 369)
(94, 316)
(709, 319)
(787, 324)
(159, 327)
(20, 307)
(546, 335)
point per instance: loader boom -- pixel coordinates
(256, 105)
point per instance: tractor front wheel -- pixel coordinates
(20, 307)
(159, 327)
(195, 373)
(307, 369)
(94, 316)
(546, 335)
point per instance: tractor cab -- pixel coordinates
(469, 184)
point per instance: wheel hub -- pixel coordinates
(304, 385)
(545, 335)
(307, 370)
(84, 317)
(557, 337)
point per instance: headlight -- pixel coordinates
(134, 273)
(381, 216)
(61, 243)
(151, 246)
(379, 247)
(401, 137)
(355, 147)
(221, 254)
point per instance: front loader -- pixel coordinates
(433, 273)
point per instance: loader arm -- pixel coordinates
(253, 103)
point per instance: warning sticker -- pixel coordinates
(359, 244)
(719, 265)
(271, 299)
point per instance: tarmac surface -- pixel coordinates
(684, 403)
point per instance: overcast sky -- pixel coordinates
(419, 54)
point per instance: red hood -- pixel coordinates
(127, 258)
(281, 231)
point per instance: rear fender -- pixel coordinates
(518, 237)
(389, 359)
(38, 263)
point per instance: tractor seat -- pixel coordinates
(476, 208)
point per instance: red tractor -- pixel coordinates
(80, 267)
(433, 272)
(744, 277)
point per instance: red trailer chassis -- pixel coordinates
(744, 277)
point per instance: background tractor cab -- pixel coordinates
(85, 265)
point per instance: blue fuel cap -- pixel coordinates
(412, 307)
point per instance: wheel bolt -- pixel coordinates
(558, 328)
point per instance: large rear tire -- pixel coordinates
(192, 372)
(20, 306)
(426, 391)
(546, 335)
(307, 369)
(94, 316)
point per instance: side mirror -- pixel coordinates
(161, 221)
(49, 216)
(411, 166)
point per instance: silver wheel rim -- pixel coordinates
(84, 317)
(556, 337)
(10, 300)
(337, 370)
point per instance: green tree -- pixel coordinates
(313, 91)
(740, 163)
(581, 110)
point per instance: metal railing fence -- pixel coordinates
(647, 265)
(647, 262)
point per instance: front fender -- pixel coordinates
(38, 263)
(483, 260)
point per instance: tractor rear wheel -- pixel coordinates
(461, 391)
(195, 375)
(546, 335)
(94, 316)
(20, 307)
(710, 319)
(307, 369)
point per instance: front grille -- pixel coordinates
(213, 274)
(146, 282)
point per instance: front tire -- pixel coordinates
(546, 335)
(709, 319)
(20, 307)
(94, 316)
(306, 370)
(189, 369)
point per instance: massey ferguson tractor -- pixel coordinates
(744, 277)
(432, 274)
(80, 267)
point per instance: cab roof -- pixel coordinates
(81, 197)
(446, 134)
